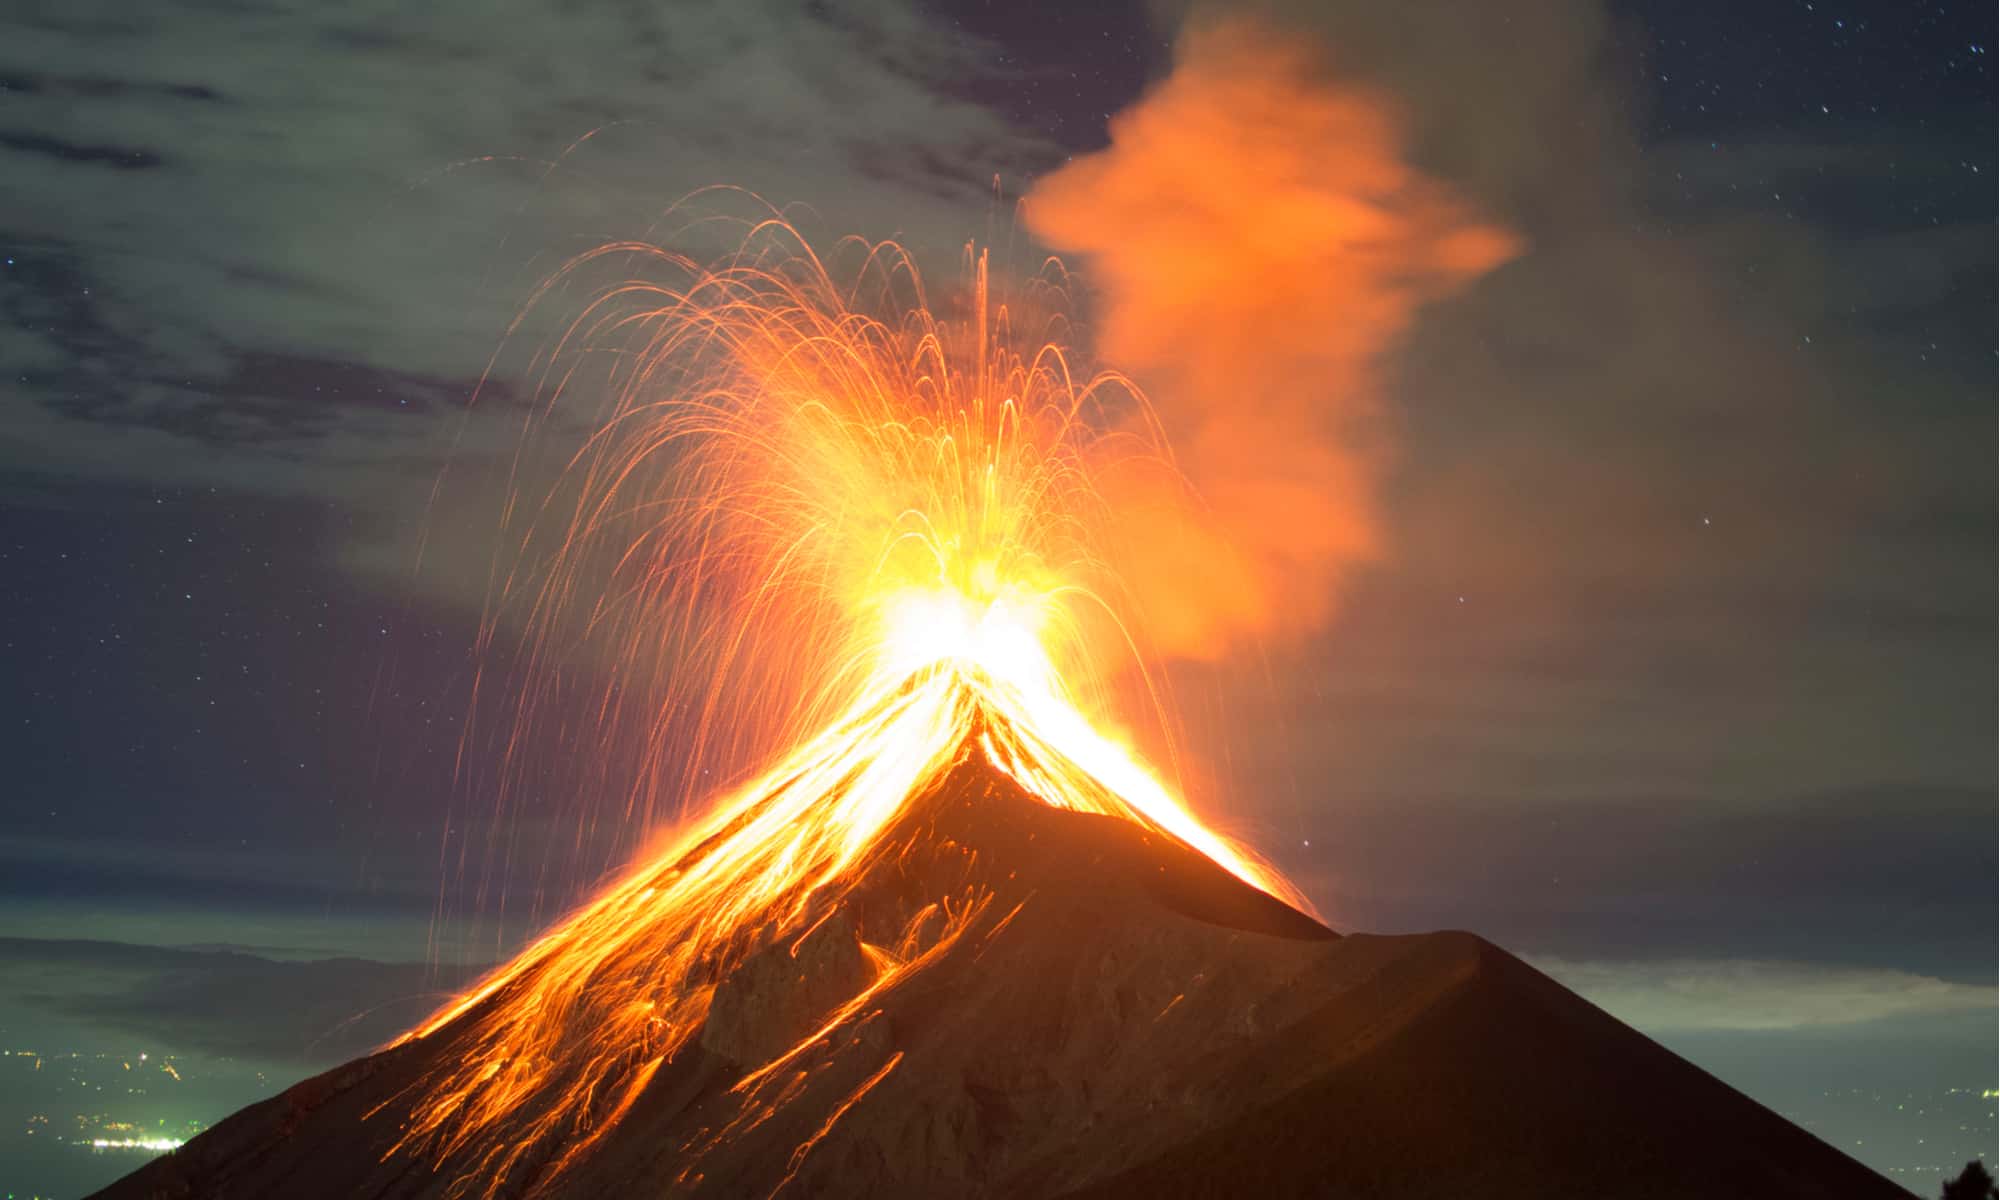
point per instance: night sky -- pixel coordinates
(1675, 677)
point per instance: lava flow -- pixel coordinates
(894, 513)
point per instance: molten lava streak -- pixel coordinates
(893, 512)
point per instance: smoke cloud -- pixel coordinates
(1257, 242)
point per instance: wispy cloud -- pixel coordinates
(271, 252)
(1751, 994)
(221, 1001)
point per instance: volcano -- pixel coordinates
(1085, 1007)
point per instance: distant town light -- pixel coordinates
(157, 1145)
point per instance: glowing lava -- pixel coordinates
(897, 516)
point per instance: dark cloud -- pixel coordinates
(123, 158)
(94, 86)
(1867, 877)
(200, 875)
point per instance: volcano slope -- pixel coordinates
(1102, 1012)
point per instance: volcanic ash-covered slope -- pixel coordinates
(1093, 1011)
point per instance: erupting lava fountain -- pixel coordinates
(901, 510)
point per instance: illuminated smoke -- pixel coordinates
(1257, 242)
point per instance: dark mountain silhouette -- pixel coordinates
(1118, 1018)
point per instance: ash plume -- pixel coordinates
(1257, 241)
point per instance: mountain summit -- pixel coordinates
(1010, 999)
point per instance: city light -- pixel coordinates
(157, 1145)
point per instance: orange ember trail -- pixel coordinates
(893, 518)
